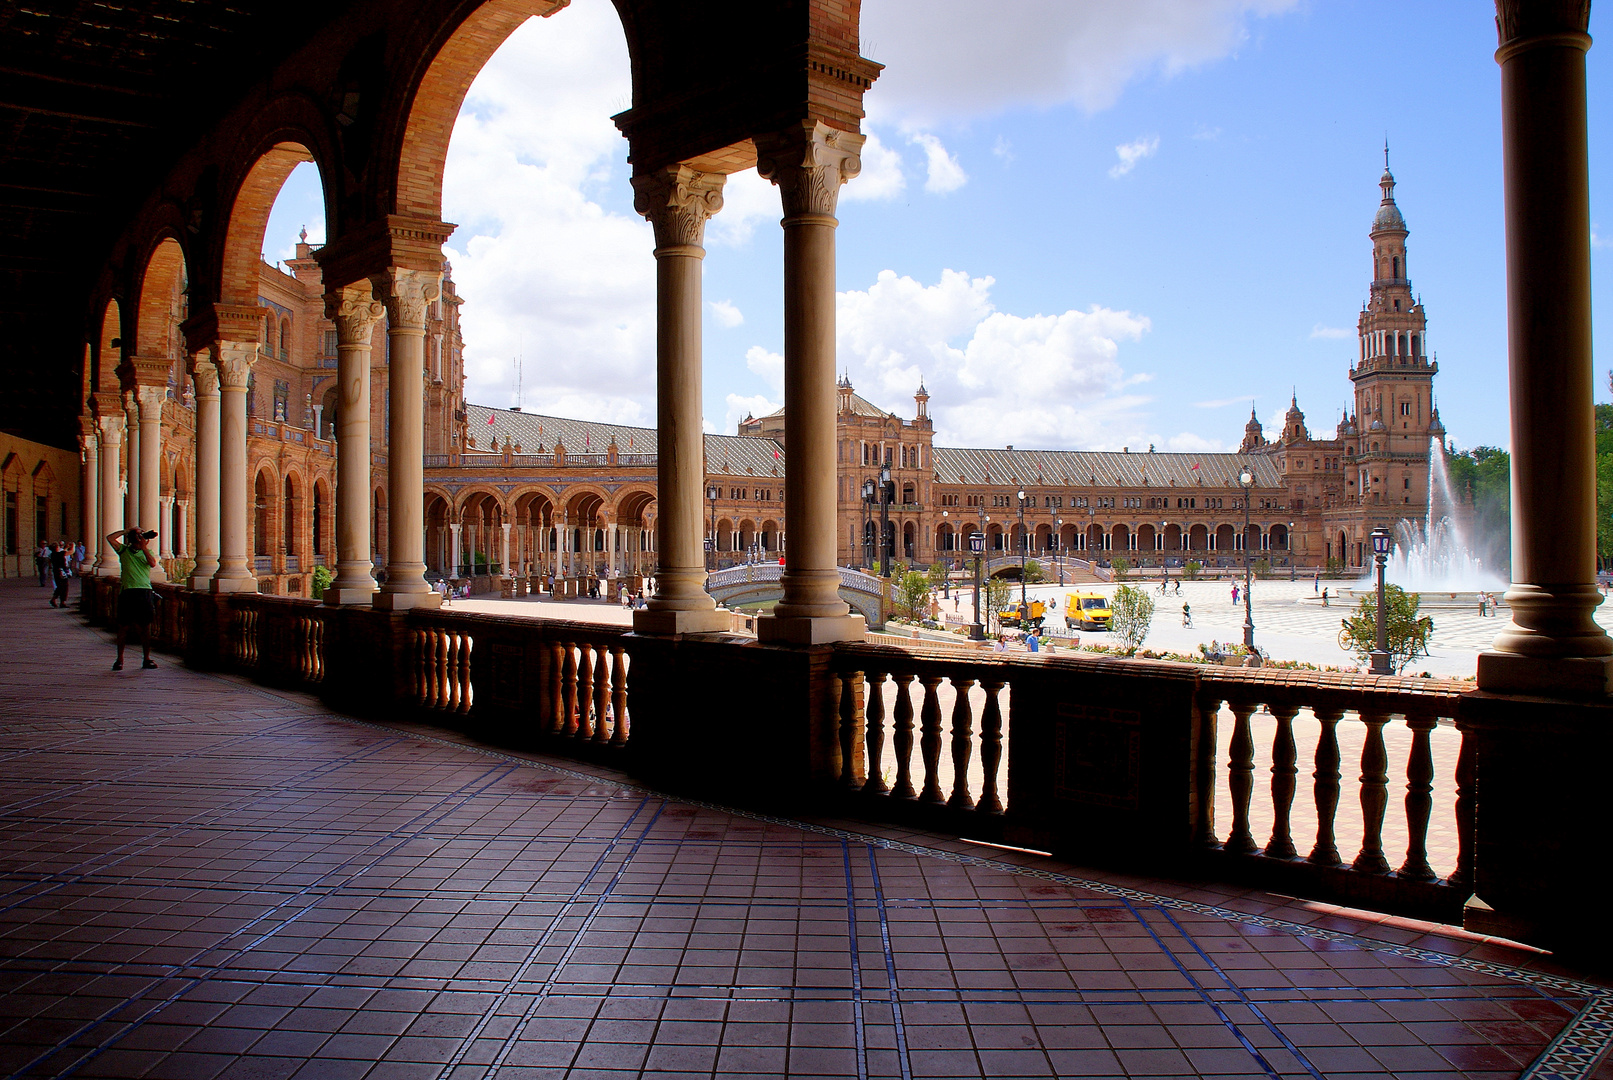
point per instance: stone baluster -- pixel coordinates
(235, 359)
(585, 691)
(1326, 850)
(1283, 772)
(407, 293)
(850, 684)
(568, 688)
(875, 733)
(809, 162)
(962, 745)
(1240, 778)
(1204, 774)
(991, 747)
(1419, 799)
(930, 737)
(558, 655)
(204, 373)
(618, 689)
(602, 697)
(902, 739)
(1465, 806)
(1374, 796)
(677, 201)
(355, 311)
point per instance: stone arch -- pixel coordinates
(945, 538)
(1173, 538)
(909, 541)
(747, 534)
(1225, 538)
(162, 283)
(1279, 538)
(1094, 537)
(249, 219)
(291, 508)
(725, 534)
(108, 349)
(1198, 538)
(1145, 537)
(265, 490)
(320, 519)
(769, 535)
(1120, 539)
(435, 508)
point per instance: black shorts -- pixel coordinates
(135, 608)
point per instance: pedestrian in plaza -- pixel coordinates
(1178, 590)
(42, 562)
(1324, 598)
(136, 604)
(76, 564)
(60, 574)
(1316, 581)
(1234, 595)
(1187, 615)
(1033, 641)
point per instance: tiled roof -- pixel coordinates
(731, 455)
(1094, 468)
(860, 405)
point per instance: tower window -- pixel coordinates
(1397, 302)
(1396, 262)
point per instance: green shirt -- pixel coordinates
(136, 571)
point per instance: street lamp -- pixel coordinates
(868, 503)
(1024, 607)
(1247, 479)
(946, 562)
(711, 558)
(885, 544)
(1382, 541)
(977, 545)
(1288, 540)
(1059, 547)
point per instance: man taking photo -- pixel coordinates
(136, 607)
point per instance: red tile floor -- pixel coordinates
(204, 878)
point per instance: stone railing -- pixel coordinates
(1398, 795)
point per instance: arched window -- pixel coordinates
(1396, 262)
(316, 522)
(285, 339)
(289, 517)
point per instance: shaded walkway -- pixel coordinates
(205, 878)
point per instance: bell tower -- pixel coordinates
(1394, 374)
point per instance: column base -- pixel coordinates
(824, 630)
(666, 623)
(338, 596)
(1558, 677)
(201, 582)
(403, 601)
(245, 584)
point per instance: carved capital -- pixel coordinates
(677, 201)
(355, 311)
(88, 443)
(204, 373)
(131, 406)
(1519, 20)
(235, 359)
(151, 398)
(406, 294)
(809, 163)
(111, 430)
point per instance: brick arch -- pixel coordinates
(163, 277)
(249, 219)
(450, 64)
(633, 504)
(108, 356)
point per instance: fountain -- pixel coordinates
(1432, 557)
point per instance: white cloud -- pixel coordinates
(1330, 332)
(739, 407)
(948, 63)
(547, 270)
(1221, 403)
(881, 176)
(1205, 133)
(944, 172)
(995, 378)
(747, 199)
(1189, 443)
(1004, 149)
(726, 314)
(768, 365)
(1133, 152)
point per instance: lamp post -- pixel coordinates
(1382, 541)
(1246, 478)
(711, 494)
(946, 562)
(868, 502)
(1024, 607)
(1288, 541)
(885, 538)
(977, 545)
(1059, 522)
(1164, 562)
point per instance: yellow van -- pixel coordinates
(1015, 615)
(1086, 611)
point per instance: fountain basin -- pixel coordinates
(1432, 600)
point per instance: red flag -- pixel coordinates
(489, 418)
(1195, 464)
(775, 455)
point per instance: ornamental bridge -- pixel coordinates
(757, 583)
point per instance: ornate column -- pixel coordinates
(181, 541)
(89, 489)
(204, 373)
(407, 292)
(355, 312)
(504, 561)
(234, 564)
(151, 515)
(131, 463)
(1552, 646)
(453, 547)
(809, 163)
(677, 201)
(165, 539)
(106, 560)
(610, 549)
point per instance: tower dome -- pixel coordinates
(1388, 218)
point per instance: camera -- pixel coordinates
(133, 534)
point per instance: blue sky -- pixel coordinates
(1086, 226)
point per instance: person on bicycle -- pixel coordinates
(1187, 615)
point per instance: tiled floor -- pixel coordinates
(203, 878)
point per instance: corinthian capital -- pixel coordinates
(809, 163)
(151, 398)
(677, 200)
(355, 311)
(406, 294)
(235, 360)
(204, 373)
(1517, 20)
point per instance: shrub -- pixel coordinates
(997, 593)
(1263, 569)
(1133, 614)
(1033, 572)
(1406, 631)
(1191, 570)
(1121, 568)
(321, 579)
(911, 593)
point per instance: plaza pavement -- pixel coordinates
(204, 878)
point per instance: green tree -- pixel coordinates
(1407, 632)
(1132, 615)
(997, 593)
(912, 594)
(1120, 568)
(1033, 572)
(321, 581)
(938, 574)
(1262, 569)
(1191, 570)
(1485, 474)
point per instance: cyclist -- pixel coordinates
(1187, 615)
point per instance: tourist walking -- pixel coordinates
(60, 574)
(1324, 598)
(42, 562)
(1316, 581)
(136, 602)
(1187, 615)
(1234, 595)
